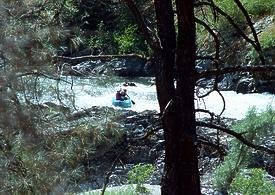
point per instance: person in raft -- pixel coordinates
(122, 94)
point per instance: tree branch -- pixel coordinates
(231, 21)
(236, 135)
(216, 40)
(42, 75)
(141, 24)
(248, 19)
(77, 60)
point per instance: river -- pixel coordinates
(82, 93)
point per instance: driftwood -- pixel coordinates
(76, 60)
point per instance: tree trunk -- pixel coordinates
(181, 163)
(166, 55)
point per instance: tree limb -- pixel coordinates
(141, 25)
(248, 19)
(216, 39)
(236, 135)
(76, 60)
(42, 75)
(231, 21)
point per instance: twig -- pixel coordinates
(41, 74)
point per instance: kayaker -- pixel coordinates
(122, 94)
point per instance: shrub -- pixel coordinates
(130, 41)
(102, 41)
(258, 7)
(252, 181)
(257, 128)
(140, 174)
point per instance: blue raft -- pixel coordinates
(122, 103)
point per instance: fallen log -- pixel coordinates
(76, 60)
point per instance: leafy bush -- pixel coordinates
(126, 41)
(258, 7)
(102, 41)
(267, 38)
(252, 181)
(257, 128)
(130, 41)
(140, 174)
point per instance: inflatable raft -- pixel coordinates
(122, 103)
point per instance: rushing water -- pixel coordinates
(83, 93)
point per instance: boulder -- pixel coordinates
(127, 66)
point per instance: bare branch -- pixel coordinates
(232, 22)
(141, 24)
(248, 19)
(42, 75)
(223, 101)
(236, 135)
(76, 60)
(216, 39)
(212, 114)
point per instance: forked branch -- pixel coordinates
(254, 43)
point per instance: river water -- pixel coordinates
(82, 93)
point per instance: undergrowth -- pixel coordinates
(257, 128)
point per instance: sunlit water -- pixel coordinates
(84, 93)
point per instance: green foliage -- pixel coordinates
(126, 41)
(257, 128)
(267, 41)
(252, 181)
(130, 41)
(267, 38)
(120, 190)
(40, 152)
(139, 175)
(32, 31)
(102, 41)
(258, 8)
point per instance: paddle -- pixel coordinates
(131, 100)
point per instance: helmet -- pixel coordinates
(123, 88)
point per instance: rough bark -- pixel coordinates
(181, 163)
(166, 55)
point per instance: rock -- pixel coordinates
(132, 84)
(245, 85)
(263, 86)
(127, 66)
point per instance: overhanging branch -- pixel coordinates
(237, 28)
(238, 136)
